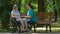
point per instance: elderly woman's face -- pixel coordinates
(16, 8)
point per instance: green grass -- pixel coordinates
(54, 29)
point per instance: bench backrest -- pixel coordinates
(45, 16)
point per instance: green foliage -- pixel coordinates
(35, 5)
(33, 2)
(58, 6)
(5, 8)
(23, 6)
(49, 5)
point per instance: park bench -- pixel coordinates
(44, 18)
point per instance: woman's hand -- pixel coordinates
(26, 16)
(13, 16)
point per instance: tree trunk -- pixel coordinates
(40, 5)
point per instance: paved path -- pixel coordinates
(29, 33)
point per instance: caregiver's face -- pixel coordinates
(27, 6)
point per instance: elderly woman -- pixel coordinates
(15, 15)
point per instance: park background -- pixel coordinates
(39, 5)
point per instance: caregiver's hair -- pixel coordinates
(14, 6)
(30, 5)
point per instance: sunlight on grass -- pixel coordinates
(53, 28)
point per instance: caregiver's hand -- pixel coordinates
(26, 16)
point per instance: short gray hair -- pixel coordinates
(14, 6)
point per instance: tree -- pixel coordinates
(57, 3)
(5, 8)
(40, 5)
(55, 11)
